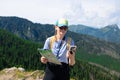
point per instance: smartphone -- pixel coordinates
(72, 49)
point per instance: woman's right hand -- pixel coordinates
(44, 60)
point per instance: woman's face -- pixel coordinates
(61, 30)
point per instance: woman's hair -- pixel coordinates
(55, 34)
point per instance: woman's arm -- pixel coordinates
(46, 47)
(71, 56)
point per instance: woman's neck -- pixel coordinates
(59, 37)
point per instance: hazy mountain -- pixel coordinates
(109, 33)
(26, 29)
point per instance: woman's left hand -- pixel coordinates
(71, 58)
(69, 55)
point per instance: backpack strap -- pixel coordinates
(68, 43)
(52, 40)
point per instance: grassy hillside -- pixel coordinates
(106, 61)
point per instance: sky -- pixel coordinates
(94, 13)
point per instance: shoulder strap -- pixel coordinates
(52, 40)
(68, 43)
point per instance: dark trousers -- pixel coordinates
(57, 72)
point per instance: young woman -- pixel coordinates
(60, 50)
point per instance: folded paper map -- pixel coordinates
(49, 55)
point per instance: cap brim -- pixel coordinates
(61, 25)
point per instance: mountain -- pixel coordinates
(88, 47)
(83, 29)
(26, 29)
(109, 33)
(38, 33)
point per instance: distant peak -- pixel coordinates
(113, 26)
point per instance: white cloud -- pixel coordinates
(96, 13)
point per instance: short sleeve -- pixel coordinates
(47, 44)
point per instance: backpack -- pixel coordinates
(52, 40)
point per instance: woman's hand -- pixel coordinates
(43, 60)
(71, 58)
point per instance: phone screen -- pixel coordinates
(72, 49)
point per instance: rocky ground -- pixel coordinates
(20, 74)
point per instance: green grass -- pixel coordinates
(103, 60)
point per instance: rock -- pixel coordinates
(21, 69)
(9, 70)
(14, 73)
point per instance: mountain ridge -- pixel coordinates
(109, 33)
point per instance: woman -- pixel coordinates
(61, 51)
